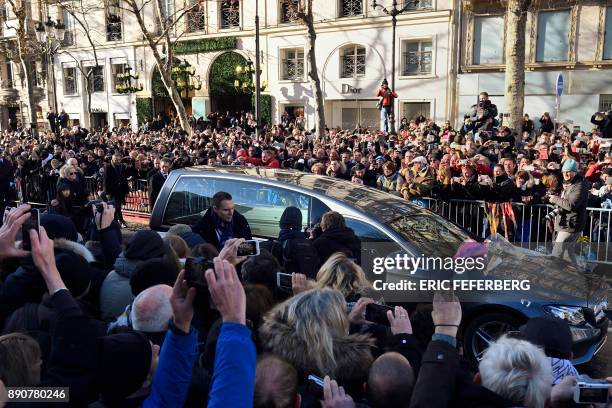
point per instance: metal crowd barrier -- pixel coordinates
(39, 190)
(526, 225)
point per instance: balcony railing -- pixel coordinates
(293, 70)
(196, 21)
(353, 66)
(351, 8)
(417, 63)
(230, 14)
(113, 31)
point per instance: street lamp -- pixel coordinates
(185, 78)
(394, 12)
(50, 35)
(244, 81)
(123, 82)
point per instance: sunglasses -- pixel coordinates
(73, 174)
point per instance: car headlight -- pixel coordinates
(571, 314)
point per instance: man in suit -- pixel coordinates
(52, 118)
(156, 181)
(116, 184)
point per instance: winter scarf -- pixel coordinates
(224, 230)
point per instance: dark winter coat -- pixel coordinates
(206, 228)
(338, 240)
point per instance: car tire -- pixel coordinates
(483, 330)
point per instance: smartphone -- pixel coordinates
(376, 313)
(315, 386)
(249, 248)
(7, 210)
(31, 223)
(283, 280)
(195, 267)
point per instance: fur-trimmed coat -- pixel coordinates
(353, 353)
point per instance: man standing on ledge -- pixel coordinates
(222, 222)
(385, 104)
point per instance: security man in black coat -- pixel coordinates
(222, 222)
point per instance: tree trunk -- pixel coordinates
(27, 75)
(164, 69)
(313, 74)
(515, 62)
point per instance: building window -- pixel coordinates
(412, 110)
(553, 36)
(113, 28)
(605, 103)
(68, 39)
(167, 8)
(488, 40)
(96, 78)
(70, 80)
(607, 52)
(288, 10)
(420, 5)
(117, 69)
(353, 61)
(230, 13)
(350, 8)
(417, 57)
(9, 75)
(196, 18)
(293, 65)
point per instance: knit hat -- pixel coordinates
(291, 218)
(570, 165)
(125, 361)
(551, 333)
(152, 272)
(420, 159)
(59, 226)
(75, 272)
(145, 245)
(192, 238)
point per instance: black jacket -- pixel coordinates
(338, 240)
(115, 181)
(206, 228)
(605, 125)
(156, 181)
(501, 190)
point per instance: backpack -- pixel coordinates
(300, 256)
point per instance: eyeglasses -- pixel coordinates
(73, 174)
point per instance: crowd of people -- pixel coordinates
(132, 324)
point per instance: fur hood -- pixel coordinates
(74, 247)
(352, 353)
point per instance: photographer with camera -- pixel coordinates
(570, 210)
(482, 114)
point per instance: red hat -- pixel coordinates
(241, 153)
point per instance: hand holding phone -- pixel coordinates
(32, 223)
(284, 281)
(376, 313)
(249, 248)
(195, 268)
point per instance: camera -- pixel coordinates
(590, 391)
(551, 215)
(98, 205)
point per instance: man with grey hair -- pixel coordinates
(151, 310)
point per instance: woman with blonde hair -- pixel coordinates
(20, 360)
(344, 275)
(311, 332)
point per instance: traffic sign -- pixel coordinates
(560, 85)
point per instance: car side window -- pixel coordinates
(262, 205)
(366, 232)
